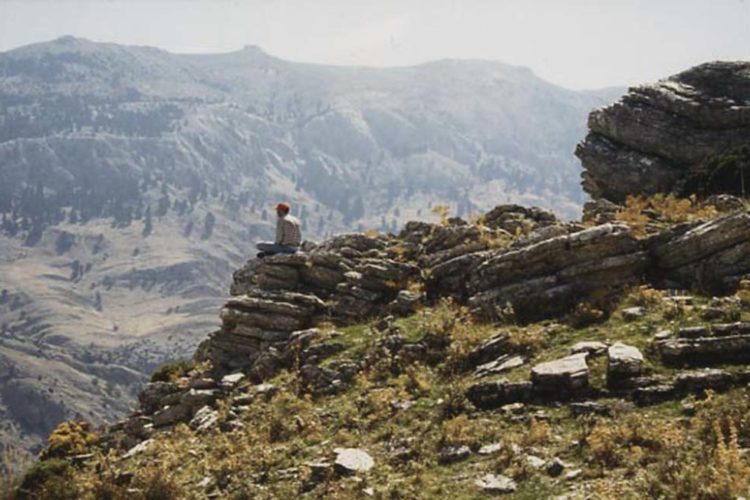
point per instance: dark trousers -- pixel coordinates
(268, 248)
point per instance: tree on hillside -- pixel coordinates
(208, 226)
(148, 225)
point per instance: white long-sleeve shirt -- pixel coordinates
(288, 231)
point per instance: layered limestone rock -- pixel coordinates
(259, 321)
(713, 256)
(720, 343)
(649, 139)
(542, 273)
(551, 276)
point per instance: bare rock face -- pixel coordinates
(648, 140)
(549, 277)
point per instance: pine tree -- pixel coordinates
(208, 226)
(148, 225)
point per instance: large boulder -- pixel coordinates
(623, 363)
(647, 141)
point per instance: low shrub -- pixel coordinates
(49, 479)
(171, 371)
(69, 438)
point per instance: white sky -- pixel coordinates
(574, 43)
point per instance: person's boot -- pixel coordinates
(261, 255)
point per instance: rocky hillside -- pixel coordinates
(133, 181)
(512, 353)
(515, 355)
(687, 133)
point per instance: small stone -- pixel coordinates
(352, 460)
(496, 484)
(573, 475)
(535, 462)
(633, 313)
(204, 419)
(500, 365)
(513, 408)
(590, 347)
(402, 404)
(623, 361)
(231, 380)
(490, 449)
(266, 390)
(138, 449)
(452, 454)
(206, 483)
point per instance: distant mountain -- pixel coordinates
(133, 180)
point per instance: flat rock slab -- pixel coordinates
(490, 449)
(590, 347)
(488, 395)
(496, 484)
(565, 374)
(633, 313)
(500, 365)
(352, 460)
(231, 380)
(452, 454)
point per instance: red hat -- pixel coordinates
(282, 207)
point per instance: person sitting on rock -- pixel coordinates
(288, 235)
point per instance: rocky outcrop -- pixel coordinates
(551, 276)
(721, 343)
(541, 273)
(712, 256)
(647, 141)
(258, 322)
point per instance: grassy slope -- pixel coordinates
(627, 455)
(660, 451)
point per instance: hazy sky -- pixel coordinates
(575, 43)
